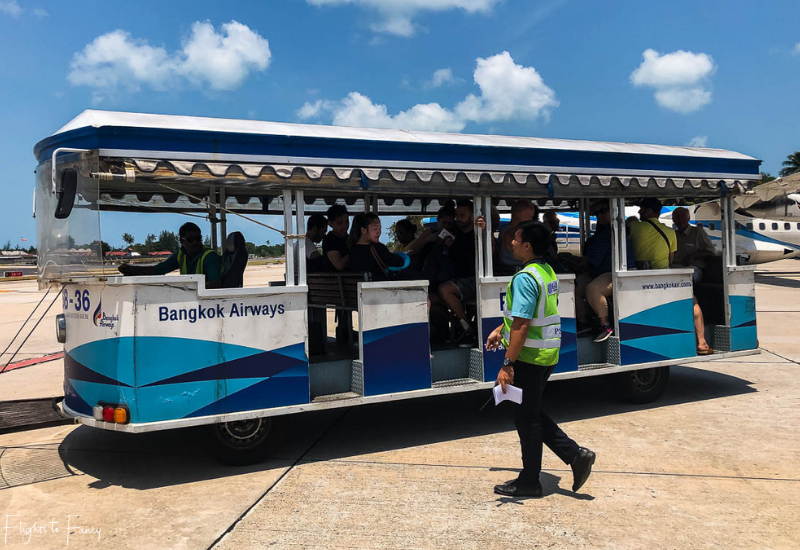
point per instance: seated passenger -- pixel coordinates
(234, 260)
(192, 258)
(521, 211)
(693, 244)
(461, 288)
(367, 253)
(694, 247)
(654, 243)
(594, 284)
(404, 231)
(316, 229)
(334, 244)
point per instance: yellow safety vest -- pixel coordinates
(544, 332)
(198, 268)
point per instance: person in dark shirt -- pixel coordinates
(316, 229)
(334, 245)
(462, 288)
(192, 258)
(367, 253)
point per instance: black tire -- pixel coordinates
(242, 442)
(640, 386)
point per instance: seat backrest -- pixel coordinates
(234, 260)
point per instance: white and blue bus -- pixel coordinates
(145, 353)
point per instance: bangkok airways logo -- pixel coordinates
(102, 320)
(98, 314)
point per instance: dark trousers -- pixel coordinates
(534, 426)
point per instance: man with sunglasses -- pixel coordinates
(192, 258)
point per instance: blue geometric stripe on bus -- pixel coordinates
(157, 403)
(743, 310)
(74, 401)
(567, 361)
(397, 360)
(94, 394)
(77, 371)
(744, 338)
(631, 331)
(260, 365)
(267, 394)
(674, 315)
(671, 346)
(295, 351)
(492, 360)
(156, 357)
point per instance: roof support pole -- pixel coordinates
(619, 260)
(223, 218)
(489, 238)
(301, 241)
(287, 239)
(478, 210)
(584, 222)
(212, 215)
(728, 248)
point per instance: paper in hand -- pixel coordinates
(513, 394)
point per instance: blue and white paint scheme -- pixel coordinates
(170, 349)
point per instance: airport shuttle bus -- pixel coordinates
(145, 353)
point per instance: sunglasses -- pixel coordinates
(192, 239)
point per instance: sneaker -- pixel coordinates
(605, 332)
(468, 339)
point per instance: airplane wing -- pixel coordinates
(770, 191)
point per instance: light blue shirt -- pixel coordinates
(525, 292)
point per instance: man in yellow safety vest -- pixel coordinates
(531, 336)
(191, 258)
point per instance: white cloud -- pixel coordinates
(680, 79)
(117, 61)
(40, 12)
(508, 92)
(796, 50)
(439, 79)
(10, 7)
(397, 16)
(698, 141)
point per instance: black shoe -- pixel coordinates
(468, 339)
(582, 467)
(514, 488)
(605, 332)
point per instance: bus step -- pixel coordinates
(335, 397)
(454, 382)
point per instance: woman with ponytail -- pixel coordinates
(367, 253)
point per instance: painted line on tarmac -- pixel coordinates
(34, 361)
(781, 356)
(283, 475)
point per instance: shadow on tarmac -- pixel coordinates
(152, 460)
(778, 280)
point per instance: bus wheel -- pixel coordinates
(242, 442)
(641, 386)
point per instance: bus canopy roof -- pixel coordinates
(253, 158)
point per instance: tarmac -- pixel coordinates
(710, 464)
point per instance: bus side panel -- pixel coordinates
(656, 320)
(97, 366)
(394, 338)
(197, 357)
(493, 296)
(742, 297)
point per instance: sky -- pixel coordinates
(715, 73)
